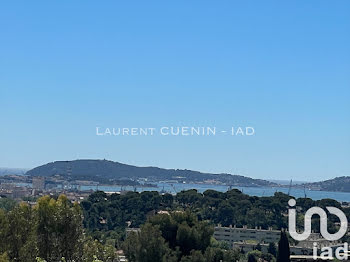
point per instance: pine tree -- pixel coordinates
(283, 254)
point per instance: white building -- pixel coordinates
(234, 234)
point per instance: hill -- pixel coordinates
(109, 172)
(338, 184)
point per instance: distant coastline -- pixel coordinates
(109, 173)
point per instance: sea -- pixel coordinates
(174, 188)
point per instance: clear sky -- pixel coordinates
(282, 67)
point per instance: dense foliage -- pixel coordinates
(173, 237)
(172, 228)
(51, 231)
(104, 212)
(107, 216)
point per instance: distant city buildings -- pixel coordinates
(14, 191)
(39, 183)
(20, 188)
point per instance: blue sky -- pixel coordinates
(280, 66)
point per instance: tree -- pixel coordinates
(168, 226)
(4, 257)
(51, 231)
(152, 244)
(186, 238)
(214, 254)
(146, 246)
(196, 256)
(7, 203)
(131, 246)
(189, 197)
(4, 231)
(225, 214)
(251, 258)
(272, 249)
(167, 200)
(231, 255)
(21, 240)
(59, 229)
(283, 254)
(95, 251)
(254, 255)
(172, 255)
(69, 228)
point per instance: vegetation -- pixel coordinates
(107, 216)
(177, 236)
(283, 248)
(104, 213)
(164, 227)
(7, 203)
(50, 231)
(272, 249)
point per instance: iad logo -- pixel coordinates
(323, 222)
(326, 252)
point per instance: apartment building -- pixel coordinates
(234, 234)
